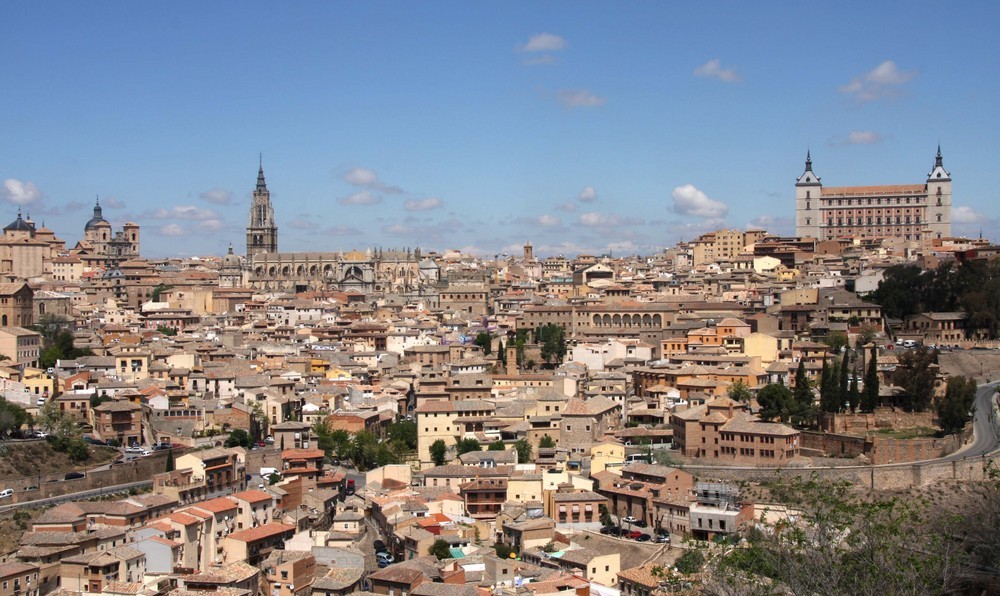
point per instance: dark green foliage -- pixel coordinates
(803, 390)
(836, 340)
(170, 461)
(404, 431)
(853, 394)
(605, 515)
(869, 396)
(439, 451)
(503, 551)
(739, 391)
(915, 375)
(155, 297)
(973, 287)
(523, 449)
(497, 445)
(484, 341)
(273, 479)
(440, 549)
(690, 562)
(168, 331)
(238, 438)
(546, 442)
(59, 346)
(776, 402)
(827, 393)
(501, 353)
(12, 417)
(467, 445)
(553, 341)
(953, 409)
(96, 400)
(843, 381)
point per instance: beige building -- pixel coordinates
(21, 346)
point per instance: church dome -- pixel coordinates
(19, 225)
(98, 218)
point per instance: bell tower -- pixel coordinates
(807, 202)
(939, 199)
(262, 233)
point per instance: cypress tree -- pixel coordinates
(843, 382)
(826, 388)
(803, 392)
(869, 398)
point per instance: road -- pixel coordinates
(79, 496)
(985, 426)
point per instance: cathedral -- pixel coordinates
(368, 272)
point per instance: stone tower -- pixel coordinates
(262, 233)
(939, 200)
(807, 202)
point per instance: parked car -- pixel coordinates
(643, 538)
(662, 538)
(384, 556)
(6, 493)
(32, 487)
(606, 529)
(269, 440)
(380, 546)
(641, 523)
(629, 520)
(74, 475)
(134, 449)
(634, 534)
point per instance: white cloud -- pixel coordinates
(858, 137)
(967, 215)
(342, 230)
(883, 81)
(303, 224)
(19, 193)
(713, 69)
(219, 196)
(549, 220)
(172, 230)
(365, 178)
(210, 225)
(594, 219)
(567, 207)
(587, 195)
(543, 42)
(113, 203)
(688, 200)
(422, 204)
(579, 98)
(360, 198)
(184, 212)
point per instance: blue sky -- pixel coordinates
(581, 126)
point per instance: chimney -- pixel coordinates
(511, 361)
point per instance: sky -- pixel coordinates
(582, 127)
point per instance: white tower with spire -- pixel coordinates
(939, 200)
(262, 233)
(808, 191)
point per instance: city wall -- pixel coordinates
(896, 477)
(859, 423)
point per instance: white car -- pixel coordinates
(629, 520)
(135, 449)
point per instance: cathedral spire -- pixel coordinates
(809, 161)
(261, 185)
(938, 163)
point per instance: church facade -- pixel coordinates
(369, 272)
(916, 212)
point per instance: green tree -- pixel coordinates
(439, 451)
(954, 408)
(843, 381)
(546, 442)
(836, 340)
(238, 438)
(484, 341)
(829, 400)
(12, 417)
(553, 341)
(606, 520)
(466, 445)
(853, 394)
(503, 551)
(170, 461)
(690, 562)
(498, 445)
(168, 331)
(776, 402)
(404, 431)
(803, 392)
(440, 549)
(915, 374)
(739, 391)
(501, 353)
(523, 449)
(869, 396)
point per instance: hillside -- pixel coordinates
(37, 458)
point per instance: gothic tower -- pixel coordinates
(262, 233)
(939, 199)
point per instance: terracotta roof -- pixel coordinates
(261, 532)
(217, 505)
(253, 496)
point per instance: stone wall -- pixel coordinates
(835, 445)
(859, 424)
(895, 477)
